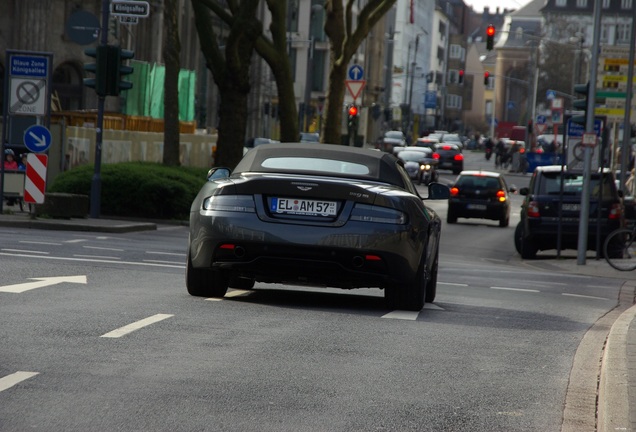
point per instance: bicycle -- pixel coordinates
(619, 249)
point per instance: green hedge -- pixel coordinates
(137, 189)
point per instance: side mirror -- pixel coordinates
(438, 191)
(524, 191)
(218, 173)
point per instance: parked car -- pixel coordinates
(419, 163)
(552, 205)
(309, 137)
(480, 195)
(449, 157)
(393, 139)
(320, 215)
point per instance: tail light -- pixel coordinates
(533, 209)
(501, 196)
(458, 157)
(436, 156)
(454, 191)
(615, 211)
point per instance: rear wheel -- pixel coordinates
(205, 282)
(528, 248)
(409, 296)
(619, 250)
(518, 237)
(431, 286)
(504, 221)
(450, 217)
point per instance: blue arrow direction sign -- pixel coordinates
(356, 73)
(541, 119)
(37, 138)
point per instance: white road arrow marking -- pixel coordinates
(42, 282)
(40, 142)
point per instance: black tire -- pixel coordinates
(431, 286)
(408, 296)
(504, 221)
(518, 237)
(450, 217)
(205, 282)
(619, 249)
(528, 248)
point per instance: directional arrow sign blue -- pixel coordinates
(356, 73)
(37, 138)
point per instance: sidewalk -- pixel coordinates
(617, 385)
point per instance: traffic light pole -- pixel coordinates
(589, 128)
(96, 182)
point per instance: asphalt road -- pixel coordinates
(120, 345)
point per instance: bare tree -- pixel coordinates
(229, 65)
(171, 51)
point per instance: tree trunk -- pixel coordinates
(171, 51)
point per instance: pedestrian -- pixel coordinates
(9, 160)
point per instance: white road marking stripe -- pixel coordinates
(122, 331)
(514, 289)
(584, 296)
(76, 241)
(94, 260)
(15, 378)
(24, 251)
(453, 284)
(166, 253)
(236, 293)
(96, 256)
(214, 299)
(38, 242)
(402, 315)
(103, 248)
(159, 261)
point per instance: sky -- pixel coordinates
(478, 5)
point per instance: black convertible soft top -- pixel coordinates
(382, 166)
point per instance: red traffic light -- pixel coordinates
(353, 110)
(486, 78)
(490, 31)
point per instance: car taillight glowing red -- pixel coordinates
(435, 155)
(458, 157)
(454, 191)
(501, 195)
(615, 211)
(533, 209)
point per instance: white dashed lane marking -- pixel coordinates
(122, 331)
(15, 378)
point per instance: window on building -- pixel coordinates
(604, 33)
(560, 3)
(440, 56)
(452, 76)
(606, 4)
(626, 4)
(581, 3)
(623, 33)
(456, 52)
(453, 101)
(491, 83)
(442, 30)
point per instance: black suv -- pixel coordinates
(539, 225)
(480, 194)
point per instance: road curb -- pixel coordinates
(613, 409)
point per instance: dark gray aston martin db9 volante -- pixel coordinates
(315, 214)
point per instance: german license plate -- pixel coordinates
(306, 207)
(571, 207)
(476, 206)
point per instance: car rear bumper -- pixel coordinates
(361, 254)
(544, 231)
(478, 209)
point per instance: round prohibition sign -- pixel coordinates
(578, 151)
(28, 92)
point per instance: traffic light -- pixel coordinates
(486, 78)
(99, 68)
(123, 70)
(581, 104)
(490, 37)
(460, 79)
(108, 70)
(352, 123)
